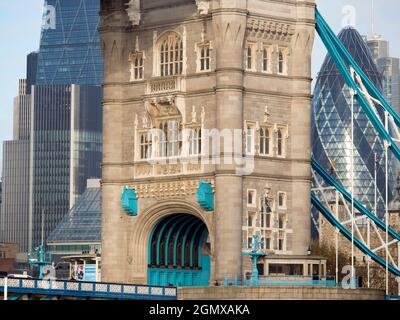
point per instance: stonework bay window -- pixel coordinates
(171, 55)
(170, 139)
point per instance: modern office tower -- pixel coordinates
(66, 142)
(14, 219)
(63, 123)
(31, 71)
(15, 205)
(69, 46)
(66, 150)
(379, 47)
(1, 200)
(80, 229)
(22, 113)
(389, 67)
(331, 117)
(14, 216)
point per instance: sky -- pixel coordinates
(20, 22)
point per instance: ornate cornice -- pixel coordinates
(270, 30)
(175, 189)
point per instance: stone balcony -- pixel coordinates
(165, 85)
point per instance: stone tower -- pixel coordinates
(182, 73)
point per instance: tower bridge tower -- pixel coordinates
(177, 208)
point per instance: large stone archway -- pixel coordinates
(141, 230)
(179, 252)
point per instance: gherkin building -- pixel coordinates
(331, 120)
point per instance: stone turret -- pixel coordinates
(232, 66)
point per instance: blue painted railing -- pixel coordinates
(286, 281)
(109, 291)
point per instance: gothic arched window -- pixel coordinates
(265, 141)
(170, 139)
(195, 141)
(171, 55)
(146, 145)
(280, 142)
(137, 66)
(282, 62)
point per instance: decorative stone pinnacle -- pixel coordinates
(203, 7)
(133, 11)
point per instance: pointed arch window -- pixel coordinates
(282, 61)
(137, 66)
(250, 57)
(250, 137)
(170, 140)
(266, 64)
(280, 143)
(146, 142)
(265, 141)
(195, 141)
(171, 55)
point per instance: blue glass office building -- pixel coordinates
(331, 118)
(66, 142)
(70, 45)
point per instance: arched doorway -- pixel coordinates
(179, 252)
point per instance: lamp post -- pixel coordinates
(255, 254)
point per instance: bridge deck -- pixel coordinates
(110, 291)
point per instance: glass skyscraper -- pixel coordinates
(331, 118)
(66, 150)
(66, 143)
(57, 142)
(70, 45)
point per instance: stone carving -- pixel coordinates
(170, 189)
(266, 114)
(203, 7)
(164, 106)
(194, 168)
(270, 30)
(168, 169)
(133, 11)
(145, 121)
(194, 115)
(145, 170)
(136, 120)
(203, 115)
